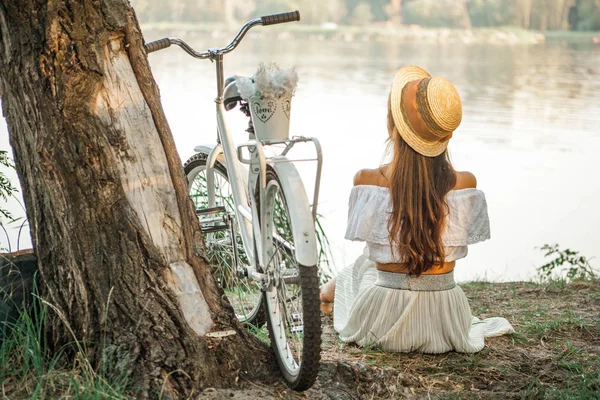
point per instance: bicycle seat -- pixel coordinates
(231, 96)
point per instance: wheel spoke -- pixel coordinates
(287, 295)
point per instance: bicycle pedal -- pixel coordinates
(210, 210)
(216, 223)
(214, 228)
(291, 280)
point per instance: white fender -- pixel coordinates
(303, 225)
(207, 148)
(301, 217)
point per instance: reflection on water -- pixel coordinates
(530, 132)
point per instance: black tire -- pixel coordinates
(306, 288)
(249, 312)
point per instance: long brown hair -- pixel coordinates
(418, 187)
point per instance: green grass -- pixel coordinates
(554, 353)
(571, 36)
(261, 332)
(29, 370)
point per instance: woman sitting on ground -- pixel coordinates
(417, 215)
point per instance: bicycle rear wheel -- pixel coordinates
(243, 293)
(292, 300)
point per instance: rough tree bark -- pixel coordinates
(112, 225)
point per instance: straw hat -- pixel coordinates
(426, 110)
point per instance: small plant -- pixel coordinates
(261, 332)
(30, 368)
(7, 189)
(567, 263)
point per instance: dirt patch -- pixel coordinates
(555, 353)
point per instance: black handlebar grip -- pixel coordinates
(281, 18)
(157, 45)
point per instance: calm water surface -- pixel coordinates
(530, 131)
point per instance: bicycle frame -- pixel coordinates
(243, 188)
(239, 185)
(243, 193)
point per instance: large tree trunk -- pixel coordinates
(115, 233)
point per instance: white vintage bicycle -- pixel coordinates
(259, 226)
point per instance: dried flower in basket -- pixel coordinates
(269, 81)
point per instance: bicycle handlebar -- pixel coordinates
(266, 20)
(280, 18)
(157, 45)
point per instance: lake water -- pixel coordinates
(530, 131)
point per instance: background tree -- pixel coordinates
(393, 11)
(523, 12)
(587, 15)
(460, 14)
(484, 13)
(438, 13)
(529, 14)
(114, 230)
(265, 7)
(337, 10)
(362, 14)
(551, 14)
(312, 12)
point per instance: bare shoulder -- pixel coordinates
(369, 177)
(465, 180)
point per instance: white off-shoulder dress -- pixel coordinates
(403, 313)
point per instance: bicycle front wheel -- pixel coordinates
(292, 300)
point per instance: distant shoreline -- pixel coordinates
(508, 35)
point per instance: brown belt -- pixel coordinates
(423, 283)
(403, 269)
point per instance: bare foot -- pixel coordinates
(326, 308)
(327, 292)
